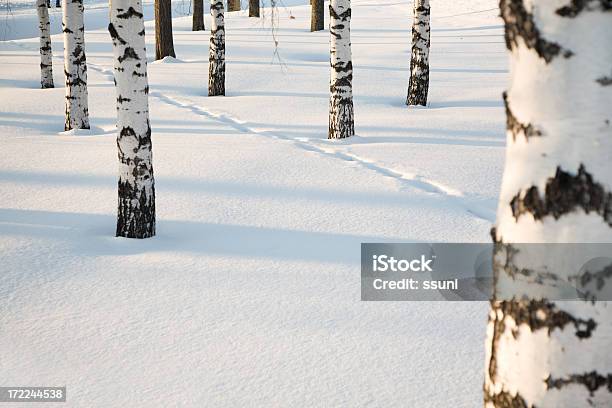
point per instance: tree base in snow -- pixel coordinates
(136, 212)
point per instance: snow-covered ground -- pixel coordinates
(250, 293)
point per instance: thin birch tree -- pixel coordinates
(216, 59)
(164, 44)
(46, 53)
(557, 187)
(197, 23)
(418, 84)
(317, 15)
(136, 206)
(341, 122)
(75, 65)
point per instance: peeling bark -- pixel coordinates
(216, 59)
(164, 44)
(136, 186)
(564, 194)
(317, 15)
(516, 127)
(75, 66)
(341, 120)
(520, 24)
(46, 53)
(418, 85)
(578, 6)
(592, 381)
(197, 23)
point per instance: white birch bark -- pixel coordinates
(136, 209)
(216, 59)
(418, 84)
(46, 53)
(557, 187)
(75, 65)
(341, 115)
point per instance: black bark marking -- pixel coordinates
(564, 193)
(511, 270)
(578, 6)
(604, 81)
(135, 221)
(342, 16)
(542, 315)
(129, 54)
(537, 315)
(600, 277)
(520, 24)
(592, 381)
(505, 400)
(515, 126)
(129, 14)
(115, 35)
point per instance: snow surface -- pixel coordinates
(250, 293)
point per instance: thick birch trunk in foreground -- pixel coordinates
(418, 84)
(46, 54)
(253, 8)
(164, 45)
(317, 15)
(557, 187)
(233, 5)
(75, 65)
(216, 59)
(198, 16)
(136, 210)
(341, 123)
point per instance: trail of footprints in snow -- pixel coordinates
(416, 181)
(456, 197)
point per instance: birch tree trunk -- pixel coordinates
(341, 123)
(557, 187)
(418, 85)
(233, 5)
(75, 66)
(317, 13)
(216, 59)
(164, 45)
(46, 53)
(253, 8)
(198, 16)
(136, 209)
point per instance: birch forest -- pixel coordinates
(355, 203)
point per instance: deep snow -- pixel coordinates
(249, 295)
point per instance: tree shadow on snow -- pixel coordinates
(93, 235)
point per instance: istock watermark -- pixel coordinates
(466, 271)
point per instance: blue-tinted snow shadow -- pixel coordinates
(401, 200)
(93, 235)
